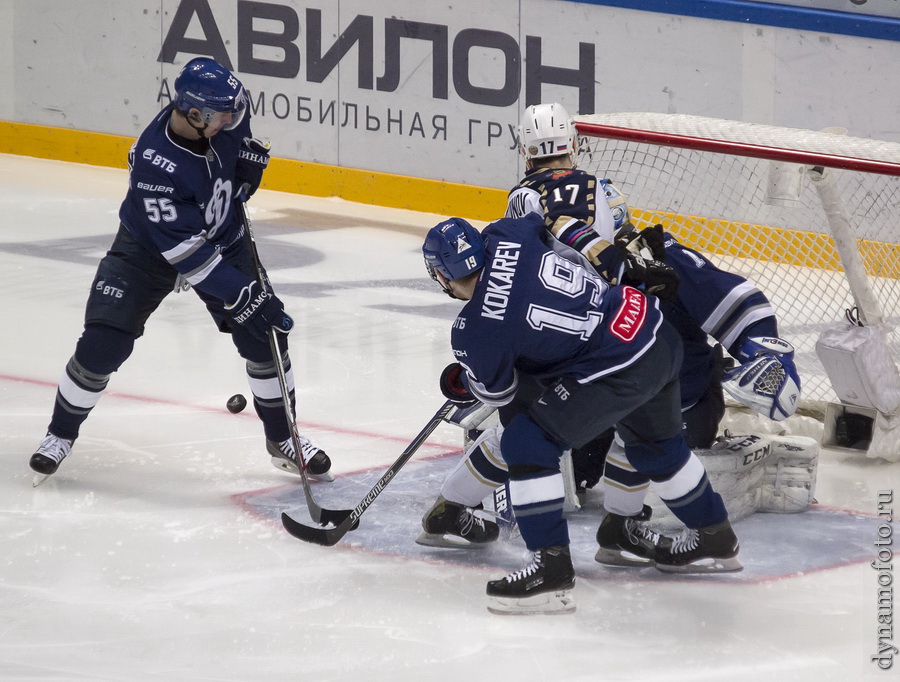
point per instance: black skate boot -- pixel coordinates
(50, 453)
(712, 549)
(284, 457)
(626, 541)
(543, 586)
(448, 524)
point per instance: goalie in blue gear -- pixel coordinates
(179, 224)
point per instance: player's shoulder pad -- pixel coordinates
(515, 229)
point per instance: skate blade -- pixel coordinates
(292, 468)
(447, 541)
(555, 603)
(38, 479)
(705, 566)
(621, 559)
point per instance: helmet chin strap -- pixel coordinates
(200, 131)
(445, 285)
(190, 118)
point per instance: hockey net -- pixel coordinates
(810, 217)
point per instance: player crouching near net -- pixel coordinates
(179, 224)
(603, 356)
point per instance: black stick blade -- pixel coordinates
(334, 517)
(319, 536)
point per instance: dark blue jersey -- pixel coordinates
(180, 204)
(536, 312)
(711, 302)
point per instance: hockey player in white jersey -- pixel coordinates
(589, 214)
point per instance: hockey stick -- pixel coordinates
(330, 536)
(316, 512)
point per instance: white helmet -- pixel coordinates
(547, 130)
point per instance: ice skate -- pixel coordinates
(47, 458)
(452, 525)
(712, 549)
(626, 540)
(284, 457)
(544, 586)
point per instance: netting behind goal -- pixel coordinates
(818, 244)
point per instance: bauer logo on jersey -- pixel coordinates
(160, 189)
(630, 317)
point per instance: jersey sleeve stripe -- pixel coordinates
(197, 275)
(185, 249)
(726, 308)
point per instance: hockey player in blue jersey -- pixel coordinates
(179, 227)
(591, 216)
(602, 355)
(584, 214)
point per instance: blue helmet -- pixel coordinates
(453, 248)
(206, 85)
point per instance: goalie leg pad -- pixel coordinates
(734, 466)
(763, 473)
(788, 484)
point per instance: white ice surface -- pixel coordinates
(136, 561)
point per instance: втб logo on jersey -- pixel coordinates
(159, 160)
(500, 279)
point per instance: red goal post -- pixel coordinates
(811, 217)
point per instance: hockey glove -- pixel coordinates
(253, 157)
(453, 386)
(653, 276)
(767, 381)
(648, 243)
(259, 310)
(653, 239)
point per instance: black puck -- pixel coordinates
(236, 403)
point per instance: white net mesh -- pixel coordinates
(763, 218)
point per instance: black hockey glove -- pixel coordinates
(453, 386)
(643, 254)
(649, 242)
(258, 310)
(652, 238)
(656, 278)
(253, 157)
